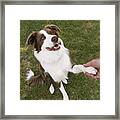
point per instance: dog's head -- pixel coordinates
(45, 39)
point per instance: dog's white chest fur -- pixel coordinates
(56, 63)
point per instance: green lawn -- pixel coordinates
(82, 38)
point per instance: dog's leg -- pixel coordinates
(49, 78)
(34, 80)
(62, 89)
(81, 68)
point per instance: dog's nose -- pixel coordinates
(54, 39)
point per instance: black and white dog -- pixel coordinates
(54, 58)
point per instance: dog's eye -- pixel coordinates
(42, 37)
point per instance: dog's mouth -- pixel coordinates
(54, 48)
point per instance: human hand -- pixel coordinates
(96, 64)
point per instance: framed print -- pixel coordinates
(60, 59)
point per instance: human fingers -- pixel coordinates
(97, 76)
(89, 75)
(93, 63)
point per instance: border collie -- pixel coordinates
(54, 58)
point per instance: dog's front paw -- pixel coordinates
(78, 69)
(29, 74)
(91, 70)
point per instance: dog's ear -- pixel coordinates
(31, 38)
(52, 29)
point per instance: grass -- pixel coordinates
(82, 38)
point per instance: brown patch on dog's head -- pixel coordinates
(52, 29)
(36, 39)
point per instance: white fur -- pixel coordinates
(56, 63)
(29, 74)
(78, 69)
(62, 89)
(51, 89)
(91, 70)
(81, 68)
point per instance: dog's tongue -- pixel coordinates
(48, 48)
(54, 48)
